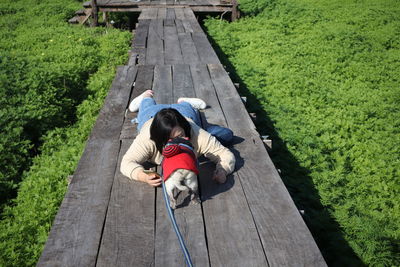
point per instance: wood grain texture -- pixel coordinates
(162, 85)
(179, 14)
(204, 89)
(189, 51)
(155, 43)
(182, 82)
(190, 221)
(128, 238)
(191, 18)
(188, 217)
(187, 26)
(109, 122)
(285, 237)
(144, 80)
(179, 26)
(204, 49)
(75, 235)
(231, 233)
(162, 13)
(128, 128)
(170, 13)
(169, 23)
(140, 39)
(173, 53)
(148, 13)
(141, 55)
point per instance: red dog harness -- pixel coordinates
(178, 154)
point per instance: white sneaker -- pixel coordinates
(135, 104)
(194, 102)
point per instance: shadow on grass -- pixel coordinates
(325, 230)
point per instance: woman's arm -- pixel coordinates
(141, 150)
(211, 148)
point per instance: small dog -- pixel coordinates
(180, 169)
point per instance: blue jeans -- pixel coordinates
(148, 109)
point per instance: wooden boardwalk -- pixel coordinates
(108, 220)
(138, 5)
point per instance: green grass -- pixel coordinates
(53, 81)
(325, 76)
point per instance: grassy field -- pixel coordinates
(53, 81)
(324, 78)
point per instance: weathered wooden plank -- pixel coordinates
(141, 55)
(189, 14)
(155, 45)
(204, 89)
(162, 13)
(182, 82)
(169, 22)
(285, 237)
(191, 18)
(189, 51)
(144, 81)
(141, 33)
(148, 13)
(111, 114)
(187, 25)
(204, 49)
(128, 128)
(128, 238)
(179, 14)
(75, 236)
(207, 9)
(190, 221)
(179, 26)
(196, 26)
(231, 233)
(189, 218)
(162, 85)
(173, 53)
(170, 13)
(133, 58)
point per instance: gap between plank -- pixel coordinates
(108, 203)
(240, 179)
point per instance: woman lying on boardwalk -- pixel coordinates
(157, 123)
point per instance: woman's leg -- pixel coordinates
(147, 110)
(223, 135)
(188, 111)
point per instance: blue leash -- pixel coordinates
(174, 224)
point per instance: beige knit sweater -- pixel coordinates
(144, 149)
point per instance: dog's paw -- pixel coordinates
(172, 204)
(195, 201)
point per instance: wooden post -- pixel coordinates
(95, 15)
(105, 18)
(234, 10)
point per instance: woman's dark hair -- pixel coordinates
(164, 121)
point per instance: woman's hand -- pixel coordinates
(219, 176)
(149, 178)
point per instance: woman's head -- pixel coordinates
(168, 123)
